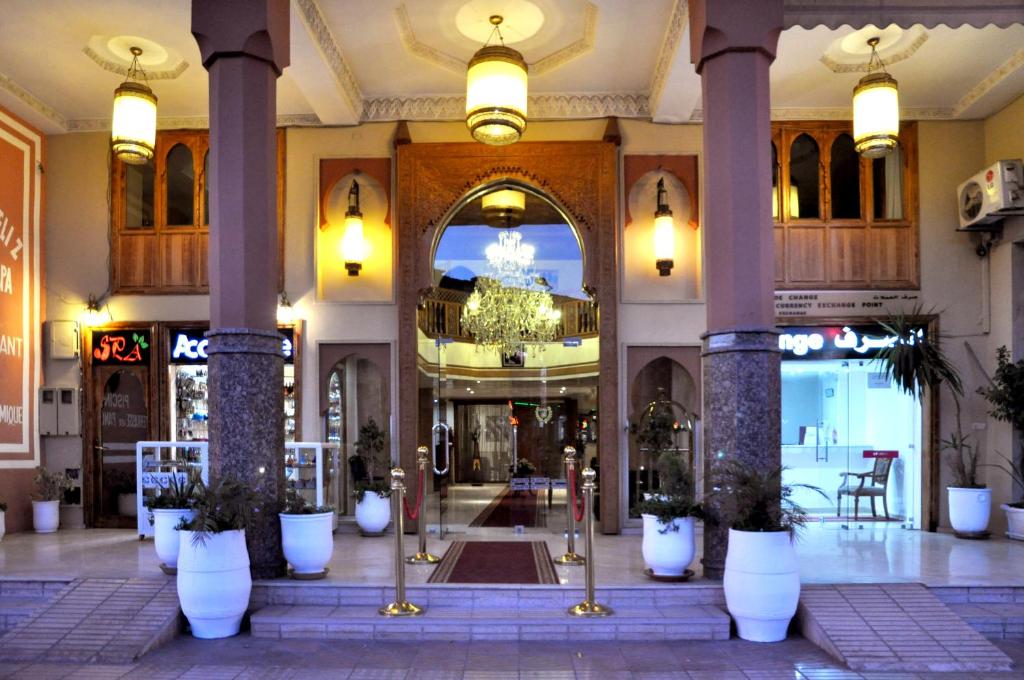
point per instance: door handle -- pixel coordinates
(446, 438)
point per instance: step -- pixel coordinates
(20, 598)
(684, 622)
(994, 621)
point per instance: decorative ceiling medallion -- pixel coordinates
(113, 53)
(849, 54)
(542, 107)
(521, 20)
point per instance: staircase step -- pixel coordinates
(995, 621)
(20, 598)
(686, 622)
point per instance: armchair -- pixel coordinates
(879, 476)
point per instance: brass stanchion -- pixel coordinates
(422, 556)
(400, 607)
(571, 557)
(589, 606)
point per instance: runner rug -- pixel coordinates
(513, 508)
(495, 562)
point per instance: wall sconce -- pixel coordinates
(285, 311)
(354, 247)
(94, 314)
(664, 233)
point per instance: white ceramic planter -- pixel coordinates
(668, 553)
(3, 524)
(45, 516)
(969, 509)
(762, 583)
(214, 582)
(1014, 522)
(165, 536)
(308, 541)
(373, 513)
(127, 504)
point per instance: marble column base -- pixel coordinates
(246, 425)
(742, 415)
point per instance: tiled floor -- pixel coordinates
(828, 554)
(245, 657)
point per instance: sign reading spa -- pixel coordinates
(21, 150)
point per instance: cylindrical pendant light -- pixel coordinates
(133, 128)
(496, 93)
(504, 208)
(876, 110)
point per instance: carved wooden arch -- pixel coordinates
(433, 178)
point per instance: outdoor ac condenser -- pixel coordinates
(991, 195)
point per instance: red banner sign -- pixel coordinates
(871, 453)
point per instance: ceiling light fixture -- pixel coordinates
(496, 92)
(504, 208)
(876, 109)
(354, 248)
(133, 128)
(664, 233)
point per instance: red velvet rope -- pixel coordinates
(577, 505)
(413, 514)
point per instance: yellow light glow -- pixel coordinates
(504, 199)
(876, 115)
(354, 247)
(664, 237)
(794, 202)
(496, 95)
(133, 129)
(285, 314)
(94, 317)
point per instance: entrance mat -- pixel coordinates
(495, 562)
(513, 508)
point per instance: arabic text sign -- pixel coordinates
(843, 303)
(835, 342)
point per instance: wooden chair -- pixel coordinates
(879, 476)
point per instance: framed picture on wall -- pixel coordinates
(513, 360)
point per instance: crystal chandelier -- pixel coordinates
(507, 309)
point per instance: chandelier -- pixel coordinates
(508, 309)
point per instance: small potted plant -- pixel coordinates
(214, 582)
(762, 576)
(373, 507)
(669, 516)
(1005, 393)
(3, 519)
(524, 469)
(122, 485)
(50, 488)
(169, 509)
(307, 536)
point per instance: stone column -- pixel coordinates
(244, 46)
(733, 44)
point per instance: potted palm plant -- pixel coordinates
(762, 576)
(168, 509)
(915, 362)
(1005, 393)
(50, 488)
(307, 536)
(373, 509)
(214, 582)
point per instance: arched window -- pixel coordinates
(844, 179)
(180, 186)
(804, 178)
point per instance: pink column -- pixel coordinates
(244, 46)
(733, 44)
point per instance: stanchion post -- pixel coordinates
(589, 606)
(400, 607)
(422, 556)
(571, 557)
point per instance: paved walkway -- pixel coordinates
(245, 657)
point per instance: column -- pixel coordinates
(733, 44)
(244, 46)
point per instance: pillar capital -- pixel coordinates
(718, 27)
(242, 28)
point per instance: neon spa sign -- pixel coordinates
(189, 347)
(836, 342)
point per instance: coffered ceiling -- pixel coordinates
(366, 60)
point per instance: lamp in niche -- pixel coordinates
(354, 247)
(664, 233)
(876, 109)
(133, 128)
(504, 208)
(496, 87)
(285, 311)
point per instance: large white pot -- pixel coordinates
(165, 536)
(762, 583)
(3, 524)
(668, 549)
(1014, 522)
(45, 516)
(969, 509)
(373, 513)
(214, 582)
(127, 504)
(308, 541)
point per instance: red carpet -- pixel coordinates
(513, 508)
(495, 562)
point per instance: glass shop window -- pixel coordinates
(138, 196)
(180, 186)
(887, 186)
(804, 177)
(844, 179)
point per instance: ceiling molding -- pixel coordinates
(419, 49)
(843, 113)
(187, 122)
(577, 49)
(541, 107)
(669, 46)
(1001, 73)
(121, 69)
(888, 59)
(36, 104)
(904, 13)
(321, 34)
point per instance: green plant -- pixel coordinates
(675, 497)
(381, 488)
(50, 486)
(179, 494)
(524, 468)
(227, 505)
(915, 362)
(752, 499)
(370, 444)
(1005, 392)
(295, 504)
(1015, 470)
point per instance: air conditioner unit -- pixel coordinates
(991, 195)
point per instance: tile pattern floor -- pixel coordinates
(243, 657)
